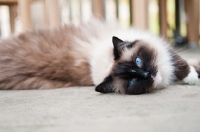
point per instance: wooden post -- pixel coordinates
(45, 13)
(25, 14)
(8, 2)
(140, 14)
(98, 8)
(163, 18)
(192, 11)
(53, 12)
(13, 15)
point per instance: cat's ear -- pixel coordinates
(117, 43)
(105, 86)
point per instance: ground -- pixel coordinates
(173, 109)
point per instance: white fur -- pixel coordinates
(101, 62)
(192, 77)
(158, 80)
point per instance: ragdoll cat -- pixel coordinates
(133, 62)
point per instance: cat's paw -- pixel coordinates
(192, 77)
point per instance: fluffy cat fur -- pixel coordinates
(88, 54)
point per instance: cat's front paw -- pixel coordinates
(192, 77)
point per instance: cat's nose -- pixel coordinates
(146, 75)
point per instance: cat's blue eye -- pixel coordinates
(138, 62)
(131, 82)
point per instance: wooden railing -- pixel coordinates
(136, 10)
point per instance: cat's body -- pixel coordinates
(83, 55)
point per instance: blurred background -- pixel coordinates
(175, 20)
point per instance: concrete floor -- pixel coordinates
(173, 109)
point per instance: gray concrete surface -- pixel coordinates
(81, 109)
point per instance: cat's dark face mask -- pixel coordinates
(134, 69)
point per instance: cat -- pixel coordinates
(91, 53)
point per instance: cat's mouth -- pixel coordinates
(141, 87)
(153, 77)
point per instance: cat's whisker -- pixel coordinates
(185, 51)
(175, 62)
(140, 90)
(181, 52)
(181, 65)
(176, 51)
(147, 90)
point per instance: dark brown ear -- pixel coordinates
(117, 43)
(105, 86)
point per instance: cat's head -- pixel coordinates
(134, 68)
